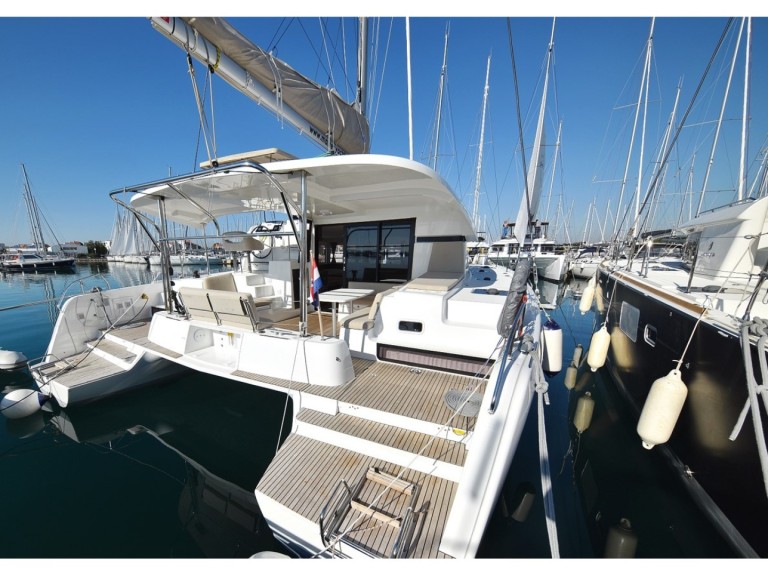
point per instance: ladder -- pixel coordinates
(392, 507)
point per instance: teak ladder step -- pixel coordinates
(400, 518)
(388, 482)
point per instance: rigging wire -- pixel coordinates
(517, 110)
(279, 33)
(200, 107)
(681, 125)
(378, 98)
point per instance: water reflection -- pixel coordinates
(181, 458)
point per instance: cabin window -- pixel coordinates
(629, 320)
(379, 251)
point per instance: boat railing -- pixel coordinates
(82, 286)
(60, 299)
(403, 542)
(338, 505)
(730, 205)
(47, 360)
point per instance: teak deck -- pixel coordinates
(306, 471)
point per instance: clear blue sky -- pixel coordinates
(90, 104)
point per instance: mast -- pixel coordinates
(362, 66)
(410, 91)
(586, 226)
(719, 121)
(745, 115)
(34, 215)
(607, 214)
(529, 207)
(443, 72)
(475, 216)
(647, 82)
(554, 168)
(634, 129)
(651, 216)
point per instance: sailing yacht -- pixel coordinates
(409, 383)
(40, 260)
(526, 238)
(686, 348)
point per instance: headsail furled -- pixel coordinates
(532, 194)
(313, 109)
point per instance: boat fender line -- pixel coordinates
(587, 297)
(662, 409)
(621, 541)
(541, 387)
(598, 348)
(552, 347)
(22, 402)
(582, 417)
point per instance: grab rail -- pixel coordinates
(340, 509)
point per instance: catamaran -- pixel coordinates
(408, 373)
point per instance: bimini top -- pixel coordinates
(338, 189)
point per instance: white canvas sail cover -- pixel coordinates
(325, 113)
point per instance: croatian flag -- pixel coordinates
(315, 285)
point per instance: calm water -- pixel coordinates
(168, 471)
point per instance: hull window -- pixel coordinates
(629, 320)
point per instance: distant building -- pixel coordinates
(70, 248)
(27, 249)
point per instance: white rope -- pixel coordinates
(752, 401)
(546, 476)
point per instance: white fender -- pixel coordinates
(21, 402)
(587, 296)
(551, 347)
(582, 417)
(598, 348)
(662, 409)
